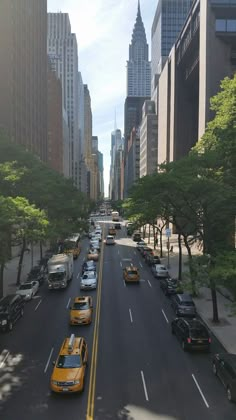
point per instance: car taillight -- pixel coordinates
(209, 340)
(189, 340)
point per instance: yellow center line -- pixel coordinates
(92, 381)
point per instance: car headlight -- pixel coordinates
(77, 382)
(54, 382)
(63, 283)
(28, 295)
(4, 322)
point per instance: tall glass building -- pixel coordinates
(168, 21)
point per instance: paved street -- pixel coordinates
(142, 373)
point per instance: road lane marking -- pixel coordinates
(67, 306)
(135, 253)
(36, 307)
(4, 360)
(141, 265)
(149, 283)
(130, 314)
(93, 369)
(199, 389)
(165, 316)
(144, 386)
(121, 264)
(126, 259)
(118, 252)
(77, 276)
(50, 355)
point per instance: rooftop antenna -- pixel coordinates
(115, 125)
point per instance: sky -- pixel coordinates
(103, 29)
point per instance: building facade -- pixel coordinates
(63, 53)
(133, 158)
(148, 139)
(204, 53)
(23, 51)
(55, 122)
(116, 143)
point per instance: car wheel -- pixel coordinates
(10, 326)
(183, 345)
(229, 394)
(214, 368)
(22, 312)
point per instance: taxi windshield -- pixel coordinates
(80, 305)
(132, 272)
(69, 361)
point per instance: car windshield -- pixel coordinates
(132, 272)
(56, 276)
(80, 306)
(25, 286)
(70, 361)
(187, 303)
(172, 282)
(199, 333)
(90, 275)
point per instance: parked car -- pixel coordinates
(192, 334)
(170, 286)
(152, 259)
(95, 244)
(140, 245)
(117, 225)
(11, 309)
(224, 366)
(37, 273)
(88, 280)
(88, 266)
(148, 253)
(183, 305)
(28, 289)
(112, 230)
(144, 250)
(159, 271)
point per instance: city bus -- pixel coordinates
(71, 245)
(115, 216)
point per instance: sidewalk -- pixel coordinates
(11, 269)
(225, 331)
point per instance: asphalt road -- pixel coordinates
(141, 372)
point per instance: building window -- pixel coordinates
(220, 25)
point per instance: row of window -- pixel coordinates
(225, 25)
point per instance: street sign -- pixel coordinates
(168, 232)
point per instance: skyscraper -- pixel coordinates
(168, 21)
(138, 86)
(138, 66)
(23, 73)
(63, 52)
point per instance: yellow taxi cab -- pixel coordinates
(131, 274)
(92, 255)
(112, 230)
(70, 367)
(81, 310)
(74, 251)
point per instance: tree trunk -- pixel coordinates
(41, 249)
(214, 302)
(180, 257)
(149, 233)
(2, 266)
(144, 231)
(21, 261)
(161, 249)
(192, 272)
(154, 235)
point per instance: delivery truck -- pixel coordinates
(60, 271)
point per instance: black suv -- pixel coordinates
(224, 366)
(183, 305)
(117, 226)
(192, 334)
(152, 259)
(11, 309)
(170, 286)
